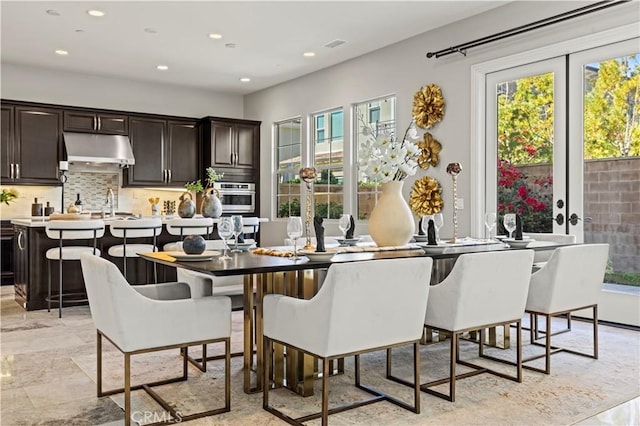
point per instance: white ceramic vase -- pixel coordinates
(391, 222)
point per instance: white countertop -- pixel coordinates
(40, 221)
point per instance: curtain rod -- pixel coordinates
(462, 48)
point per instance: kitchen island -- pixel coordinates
(31, 267)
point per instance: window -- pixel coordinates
(288, 144)
(328, 161)
(380, 115)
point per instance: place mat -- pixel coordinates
(272, 252)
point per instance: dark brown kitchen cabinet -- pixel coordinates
(94, 122)
(166, 152)
(30, 145)
(232, 147)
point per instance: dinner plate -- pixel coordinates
(420, 238)
(318, 256)
(241, 246)
(347, 241)
(518, 243)
(440, 248)
(205, 255)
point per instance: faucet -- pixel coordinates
(110, 202)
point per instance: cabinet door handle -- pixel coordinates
(17, 175)
(20, 240)
(95, 123)
(164, 175)
(231, 161)
(169, 176)
(11, 171)
(235, 158)
(99, 123)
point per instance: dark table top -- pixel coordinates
(248, 263)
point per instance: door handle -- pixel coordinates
(169, 176)
(11, 171)
(20, 240)
(17, 175)
(559, 219)
(99, 123)
(573, 219)
(164, 175)
(236, 158)
(95, 123)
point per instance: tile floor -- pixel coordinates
(48, 378)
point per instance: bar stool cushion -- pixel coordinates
(70, 252)
(132, 250)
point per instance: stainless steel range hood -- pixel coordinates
(110, 151)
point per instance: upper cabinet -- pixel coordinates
(95, 122)
(166, 152)
(30, 144)
(232, 147)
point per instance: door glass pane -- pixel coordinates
(611, 125)
(525, 139)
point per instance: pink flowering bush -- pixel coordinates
(531, 199)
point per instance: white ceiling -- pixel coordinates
(269, 37)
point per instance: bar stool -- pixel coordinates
(133, 229)
(64, 230)
(183, 227)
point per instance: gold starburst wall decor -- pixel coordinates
(429, 151)
(426, 197)
(428, 106)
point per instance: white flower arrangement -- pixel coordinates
(383, 158)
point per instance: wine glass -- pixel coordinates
(294, 231)
(344, 223)
(225, 230)
(509, 222)
(490, 223)
(237, 230)
(438, 221)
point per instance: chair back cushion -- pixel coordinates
(74, 229)
(572, 278)
(362, 305)
(138, 228)
(481, 289)
(544, 255)
(192, 226)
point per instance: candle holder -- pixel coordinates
(308, 175)
(454, 170)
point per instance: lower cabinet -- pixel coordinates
(31, 270)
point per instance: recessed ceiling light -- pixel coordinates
(309, 54)
(95, 12)
(215, 36)
(162, 67)
(245, 79)
(61, 52)
(53, 12)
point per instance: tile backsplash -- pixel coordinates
(92, 187)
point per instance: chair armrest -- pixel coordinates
(164, 291)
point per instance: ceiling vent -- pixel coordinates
(335, 43)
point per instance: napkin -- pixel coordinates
(420, 231)
(317, 225)
(352, 228)
(431, 234)
(518, 235)
(241, 237)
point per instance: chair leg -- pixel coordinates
(266, 367)
(452, 367)
(127, 389)
(60, 290)
(49, 286)
(547, 346)
(325, 388)
(416, 377)
(595, 331)
(519, 351)
(124, 266)
(99, 364)
(227, 374)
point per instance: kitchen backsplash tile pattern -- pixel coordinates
(92, 188)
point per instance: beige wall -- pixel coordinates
(401, 69)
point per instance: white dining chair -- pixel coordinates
(362, 307)
(143, 319)
(571, 280)
(482, 290)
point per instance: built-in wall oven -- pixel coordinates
(237, 197)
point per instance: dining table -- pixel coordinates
(279, 273)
